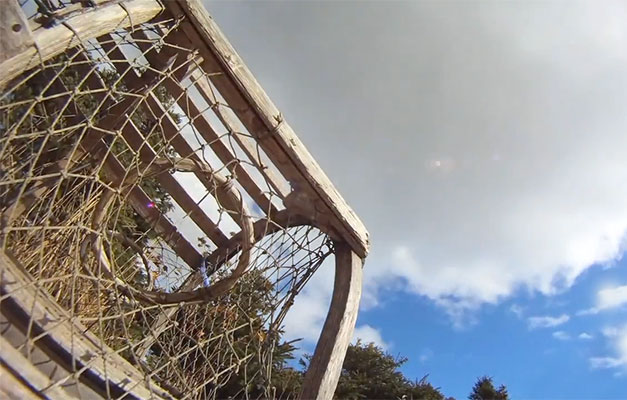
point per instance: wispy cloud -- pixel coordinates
(618, 339)
(585, 336)
(517, 310)
(547, 321)
(561, 335)
(611, 331)
(425, 355)
(606, 362)
(608, 298)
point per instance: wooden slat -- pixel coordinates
(246, 143)
(200, 121)
(169, 127)
(139, 200)
(13, 388)
(69, 343)
(56, 375)
(91, 23)
(221, 150)
(91, 143)
(138, 143)
(27, 372)
(262, 119)
(326, 364)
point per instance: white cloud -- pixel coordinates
(561, 335)
(612, 297)
(611, 331)
(533, 191)
(588, 311)
(585, 336)
(618, 340)
(306, 316)
(547, 321)
(368, 334)
(608, 298)
(479, 231)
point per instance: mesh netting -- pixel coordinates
(133, 197)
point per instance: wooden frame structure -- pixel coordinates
(296, 191)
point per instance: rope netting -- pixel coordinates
(133, 197)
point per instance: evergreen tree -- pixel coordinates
(484, 390)
(370, 373)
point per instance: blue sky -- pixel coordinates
(482, 143)
(533, 363)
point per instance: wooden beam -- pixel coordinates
(263, 120)
(91, 23)
(326, 364)
(69, 344)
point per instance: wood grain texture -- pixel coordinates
(22, 368)
(326, 364)
(198, 116)
(93, 144)
(139, 200)
(11, 387)
(154, 106)
(87, 25)
(248, 144)
(69, 344)
(15, 34)
(263, 120)
(138, 143)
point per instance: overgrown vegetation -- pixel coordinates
(484, 390)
